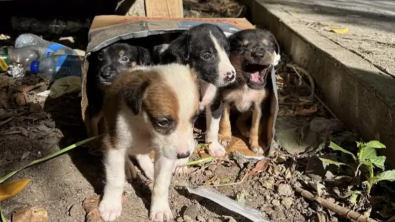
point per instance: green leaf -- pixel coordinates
(386, 175)
(378, 161)
(2, 217)
(334, 146)
(367, 153)
(375, 144)
(6, 177)
(353, 196)
(328, 161)
(370, 167)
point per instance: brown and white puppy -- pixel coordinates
(253, 53)
(151, 108)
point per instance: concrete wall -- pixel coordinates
(358, 93)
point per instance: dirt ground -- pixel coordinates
(44, 125)
(37, 126)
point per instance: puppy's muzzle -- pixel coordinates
(183, 155)
(107, 72)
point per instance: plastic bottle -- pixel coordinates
(16, 60)
(43, 47)
(58, 66)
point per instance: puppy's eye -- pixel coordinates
(206, 56)
(100, 56)
(163, 122)
(124, 59)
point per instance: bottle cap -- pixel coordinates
(34, 67)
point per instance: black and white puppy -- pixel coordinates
(105, 66)
(206, 49)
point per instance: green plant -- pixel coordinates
(366, 157)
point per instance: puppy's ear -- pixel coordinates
(179, 48)
(144, 57)
(134, 95)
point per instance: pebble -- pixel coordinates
(208, 173)
(285, 190)
(276, 203)
(200, 219)
(212, 167)
(287, 202)
(187, 218)
(192, 211)
(180, 219)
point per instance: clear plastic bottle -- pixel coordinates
(58, 66)
(43, 47)
(16, 60)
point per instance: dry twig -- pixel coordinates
(342, 211)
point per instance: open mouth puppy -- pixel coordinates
(107, 65)
(151, 108)
(205, 48)
(253, 53)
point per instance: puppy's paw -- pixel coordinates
(161, 212)
(216, 149)
(179, 168)
(225, 140)
(110, 208)
(256, 149)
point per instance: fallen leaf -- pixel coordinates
(306, 112)
(240, 197)
(33, 214)
(261, 165)
(212, 180)
(225, 180)
(318, 187)
(10, 189)
(21, 99)
(339, 31)
(268, 184)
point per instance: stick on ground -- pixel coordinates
(342, 211)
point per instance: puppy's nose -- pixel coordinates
(107, 71)
(230, 76)
(259, 54)
(183, 155)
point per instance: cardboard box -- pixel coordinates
(106, 30)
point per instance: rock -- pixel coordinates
(276, 203)
(287, 202)
(208, 173)
(33, 214)
(180, 219)
(320, 125)
(192, 211)
(212, 167)
(187, 218)
(200, 219)
(285, 190)
(289, 140)
(35, 107)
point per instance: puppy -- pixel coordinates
(253, 53)
(206, 49)
(107, 65)
(151, 108)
